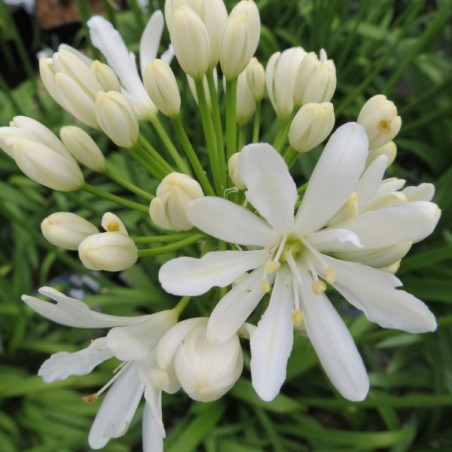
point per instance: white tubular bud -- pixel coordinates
(117, 119)
(311, 125)
(234, 173)
(110, 251)
(161, 85)
(47, 73)
(315, 80)
(388, 149)
(190, 42)
(207, 371)
(168, 209)
(112, 223)
(82, 147)
(240, 38)
(106, 76)
(245, 104)
(379, 117)
(47, 167)
(281, 73)
(66, 230)
(255, 76)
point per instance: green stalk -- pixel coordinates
(281, 137)
(180, 307)
(257, 122)
(144, 161)
(172, 247)
(116, 199)
(290, 156)
(154, 154)
(161, 238)
(182, 166)
(192, 156)
(231, 124)
(209, 136)
(128, 185)
(241, 137)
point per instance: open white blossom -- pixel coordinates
(294, 251)
(132, 340)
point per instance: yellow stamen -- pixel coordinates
(318, 287)
(297, 317)
(272, 266)
(113, 226)
(384, 125)
(265, 285)
(331, 275)
(89, 399)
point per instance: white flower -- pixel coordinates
(132, 340)
(294, 251)
(107, 39)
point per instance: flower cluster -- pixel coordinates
(346, 229)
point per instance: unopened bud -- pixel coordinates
(379, 117)
(255, 76)
(315, 80)
(190, 42)
(66, 230)
(388, 149)
(106, 76)
(110, 251)
(117, 119)
(47, 167)
(112, 223)
(161, 85)
(168, 209)
(234, 173)
(82, 147)
(245, 104)
(311, 125)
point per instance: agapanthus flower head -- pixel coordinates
(294, 253)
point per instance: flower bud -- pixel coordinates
(245, 104)
(116, 117)
(379, 117)
(106, 76)
(168, 209)
(161, 85)
(281, 72)
(66, 230)
(190, 42)
(47, 73)
(388, 149)
(234, 173)
(315, 80)
(110, 251)
(82, 147)
(112, 223)
(255, 76)
(311, 125)
(47, 167)
(240, 38)
(205, 371)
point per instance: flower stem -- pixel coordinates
(290, 156)
(181, 165)
(209, 137)
(143, 160)
(257, 122)
(179, 308)
(117, 199)
(133, 188)
(156, 157)
(161, 238)
(282, 134)
(241, 137)
(172, 247)
(192, 157)
(231, 125)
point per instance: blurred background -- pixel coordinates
(400, 49)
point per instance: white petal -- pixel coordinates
(270, 187)
(334, 177)
(332, 239)
(150, 39)
(168, 55)
(334, 345)
(234, 308)
(152, 435)
(227, 221)
(63, 364)
(117, 409)
(78, 54)
(371, 180)
(272, 341)
(72, 312)
(190, 276)
(372, 291)
(410, 222)
(135, 342)
(422, 192)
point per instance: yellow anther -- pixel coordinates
(384, 125)
(265, 285)
(331, 275)
(89, 399)
(113, 226)
(318, 287)
(297, 317)
(272, 266)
